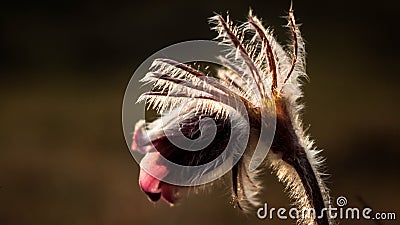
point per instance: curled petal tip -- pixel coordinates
(153, 196)
(169, 193)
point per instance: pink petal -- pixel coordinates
(169, 193)
(150, 184)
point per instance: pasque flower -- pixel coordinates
(155, 144)
(261, 74)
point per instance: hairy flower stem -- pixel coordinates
(286, 142)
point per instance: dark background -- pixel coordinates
(64, 67)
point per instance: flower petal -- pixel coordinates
(141, 141)
(169, 193)
(148, 165)
(151, 184)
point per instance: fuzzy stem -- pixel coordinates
(310, 183)
(286, 142)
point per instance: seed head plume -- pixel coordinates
(257, 74)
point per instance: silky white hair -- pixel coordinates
(257, 71)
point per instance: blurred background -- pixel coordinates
(64, 68)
